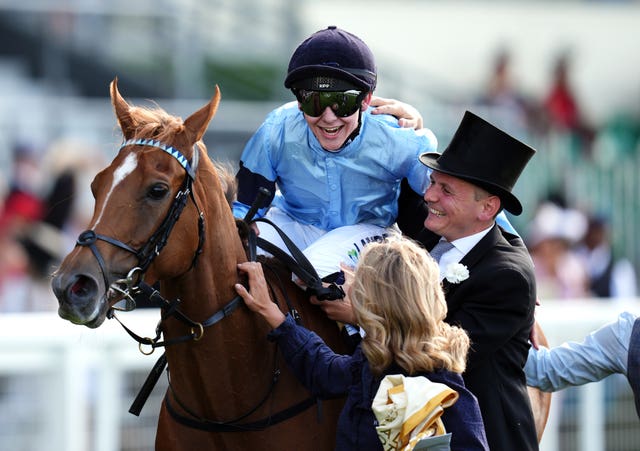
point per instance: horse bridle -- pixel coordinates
(156, 242)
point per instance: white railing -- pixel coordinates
(74, 380)
(80, 374)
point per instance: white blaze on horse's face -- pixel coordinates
(129, 165)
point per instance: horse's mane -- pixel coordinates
(226, 174)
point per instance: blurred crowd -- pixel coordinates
(559, 111)
(44, 203)
(574, 257)
(572, 247)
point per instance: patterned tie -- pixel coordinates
(440, 248)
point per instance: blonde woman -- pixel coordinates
(398, 301)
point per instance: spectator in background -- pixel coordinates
(608, 277)
(23, 204)
(562, 110)
(74, 156)
(43, 240)
(35, 239)
(22, 207)
(12, 258)
(511, 107)
(560, 273)
(67, 164)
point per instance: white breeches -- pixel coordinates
(325, 250)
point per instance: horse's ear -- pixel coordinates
(197, 123)
(122, 110)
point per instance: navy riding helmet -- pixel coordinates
(332, 54)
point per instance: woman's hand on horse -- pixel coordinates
(407, 115)
(257, 297)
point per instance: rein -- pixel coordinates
(298, 263)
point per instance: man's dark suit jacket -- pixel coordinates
(495, 305)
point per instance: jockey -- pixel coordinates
(334, 169)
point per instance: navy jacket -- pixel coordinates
(328, 374)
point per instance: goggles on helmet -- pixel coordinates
(342, 103)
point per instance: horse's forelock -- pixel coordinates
(156, 123)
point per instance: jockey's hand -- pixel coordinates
(257, 297)
(407, 115)
(337, 310)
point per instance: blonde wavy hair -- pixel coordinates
(398, 301)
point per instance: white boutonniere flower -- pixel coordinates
(456, 273)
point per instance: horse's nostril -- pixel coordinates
(81, 290)
(80, 287)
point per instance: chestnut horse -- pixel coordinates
(161, 216)
(160, 207)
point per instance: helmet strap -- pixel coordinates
(354, 133)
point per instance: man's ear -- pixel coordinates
(366, 101)
(490, 207)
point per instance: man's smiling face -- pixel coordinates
(455, 206)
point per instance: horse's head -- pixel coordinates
(138, 201)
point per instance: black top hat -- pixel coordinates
(485, 156)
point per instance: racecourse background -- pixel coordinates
(57, 57)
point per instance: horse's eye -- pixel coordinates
(157, 191)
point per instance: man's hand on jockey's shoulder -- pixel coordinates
(408, 116)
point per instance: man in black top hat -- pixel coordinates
(487, 273)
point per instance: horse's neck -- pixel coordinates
(210, 283)
(204, 291)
